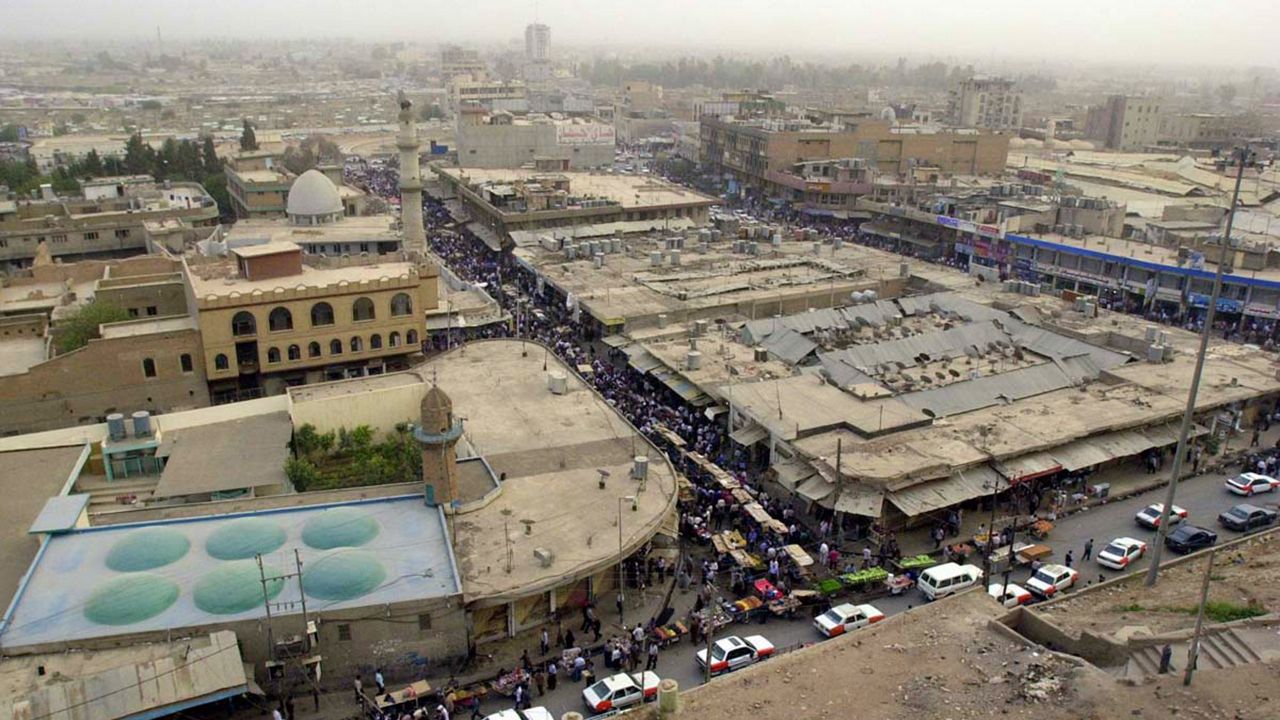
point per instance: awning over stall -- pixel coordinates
(934, 495)
(1029, 466)
(749, 435)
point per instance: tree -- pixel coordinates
(9, 133)
(80, 328)
(139, 157)
(92, 165)
(216, 186)
(248, 140)
(209, 156)
(302, 473)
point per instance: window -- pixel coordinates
(321, 314)
(295, 352)
(313, 350)
(185, 362)
(148, 367)
(401, 304)
(344, 631)
(243, 324)
(411, 337)
(362, 309)
(152, 310)
(357, 344)
(394, 338)
(58, 238)
(335, 347)
(375, 342)
(122, 233)
(273, 355)
(91, 236)
(220, 362)
(424, 621)
(133, 312)
(280, 319)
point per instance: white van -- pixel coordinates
(947, 579)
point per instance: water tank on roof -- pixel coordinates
(640, 467)
(115, 426)
(693, 360)
(871, 295)
(142, 424)
(655, 258)
(558, 383)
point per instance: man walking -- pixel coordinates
(653, 657)
(358, 685)
(1088, 549)
(1068, 559)
(544, 643)
(377, 680)
(553, 672)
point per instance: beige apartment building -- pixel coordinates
(1125, 122)
(984, 102)
(257, 185)
(269, 321)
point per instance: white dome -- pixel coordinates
(313, 194)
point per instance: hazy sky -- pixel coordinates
(1228, 32)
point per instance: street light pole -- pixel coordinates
(1162, 530)
(621, 580)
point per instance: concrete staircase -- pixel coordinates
(109, 496)
(1220, 648)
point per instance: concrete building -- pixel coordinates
(258, 186)
(1208, 130)
(501, 140)
(509, 95)
(1125, 122)
(537, 42)
(456, 61)
(986, 102)
(749, 155)
(111, 223)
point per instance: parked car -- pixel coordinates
(1245, 517)
(1189, 538)
(1010, 595)
(1051, 579)
(843, 618)
(621, 690)
(533, 713)
(947, 579)
(733, 652)
(1149, 516)
(1120, 552)
(1250, 484)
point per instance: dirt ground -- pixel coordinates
(1246, 574)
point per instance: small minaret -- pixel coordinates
(437, 433)
(415, 238)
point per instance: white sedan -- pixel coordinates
(621, 690)
(1248, 484)
(843, 618)
(1120, 552)
(1010, 595)
(1050, 580)
(533, 713)
(1149, 516)
(733, 652)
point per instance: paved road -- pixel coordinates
(1203, 497)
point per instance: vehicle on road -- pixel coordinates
(1250, 484)
(1050, 580)
(947, 579)
(533, 713)
(621, 690)
(1245, 517)
(844, 618)
(1010, 596)
(1189, 538)
(1122, 551)
(1149, 516)
(733, 652)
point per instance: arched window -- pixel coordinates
(357, 344)
(273, 355)
(220, 362)
(295, 352)
(411, 337)
(375, 342)
(394, 338)
(362, 309)
(401, 304)
(243, 324)
(280, 319)
(313, 350)
(335, 347)
(321, 314)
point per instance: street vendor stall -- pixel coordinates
(506, 684)
(746, 560)
(404, 698)
(798, 556)
(743, 496)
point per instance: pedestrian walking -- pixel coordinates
(1166, 659)
(1257, 437)
(520, 697)
(288, 708)
(544, 643)
(1088, 549)
(276, 714)
(1068, 559)
(358, 686)
(377, 680)
(653, 657)
(568, 639)
(618, 602)
(823, 549)
(553, 672)
(540, 681)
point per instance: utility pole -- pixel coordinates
(710, 643)
(1193, 652)
(266, 601)
(1162, 530)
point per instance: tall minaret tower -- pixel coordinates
(415, 238)
(437, 433)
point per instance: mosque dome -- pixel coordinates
(313, 199)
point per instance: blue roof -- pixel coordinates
(59, 514)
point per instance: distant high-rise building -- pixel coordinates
(537, 42)
(991, 103)
(1125, 122)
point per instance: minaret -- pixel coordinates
(437, 434)
(415, 238)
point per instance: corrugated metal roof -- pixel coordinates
(791, 473)
(842, 373)
(1028, 466)
(935, 345)
(1051, 344)
(815, 488)
(789, 346)
(968, 395)
(938, 494)
(856, 499)
(749, 435)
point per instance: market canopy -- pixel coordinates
(1029, 466)
(749, 435)
(934, 495)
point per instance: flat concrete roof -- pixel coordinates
(28, 478)
(631, 191)
(148, 326)
(372, 228)
(20, 354)
(218, 279)
(234, 455)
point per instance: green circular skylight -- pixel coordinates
(245, 538)
(147, 549)
(339, 527)
(343, 575)
(234, 587)
(129, 599)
